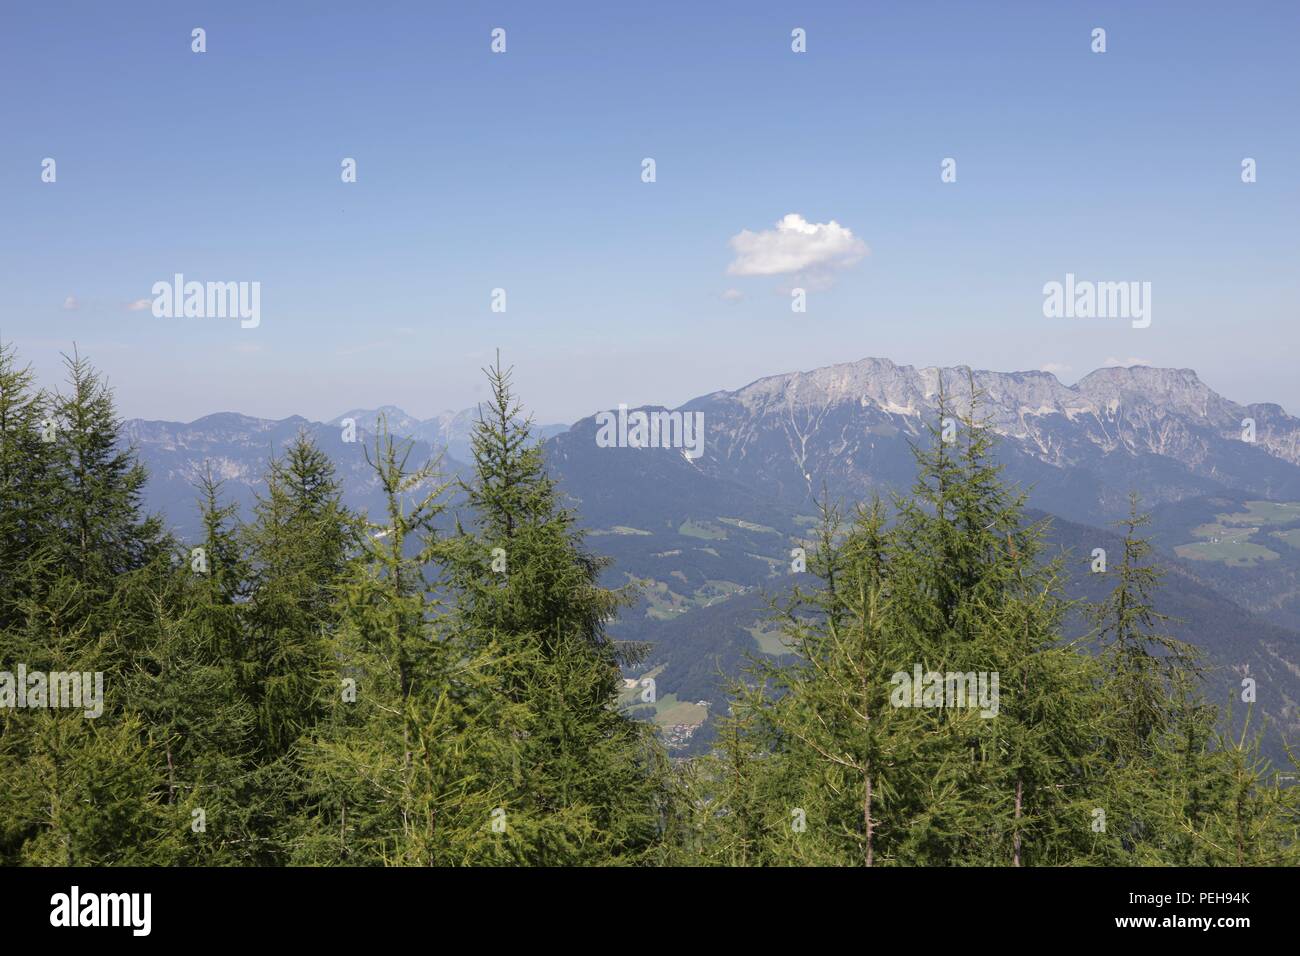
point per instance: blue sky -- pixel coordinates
(522, 171)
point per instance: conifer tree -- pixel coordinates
(1224, 804)
(973, 595)
(825, 723)
(97, 487)
(955, 586)
(1141, 659)
(24, 496)
(404, 768)
(297, 545)
(1154, 714)
(82, 792)
(295, 554)
(584, 789)
(80, 789)
(738, 798)
(187, 688)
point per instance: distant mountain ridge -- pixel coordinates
(238, 447)
(1083, 446)
(449, 430)
(849, 427)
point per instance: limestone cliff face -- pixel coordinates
(1162, 430)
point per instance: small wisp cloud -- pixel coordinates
(796, 247)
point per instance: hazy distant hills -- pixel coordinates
(706, 540)
(448, 430)
(237, 448)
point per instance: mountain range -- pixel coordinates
(447, 430)
(1082, 447)
(706, 540)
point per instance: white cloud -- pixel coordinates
(1056, 368)
(70, 304)
(795, 247)
(733, 295)
(1127, 363)
(139, 305)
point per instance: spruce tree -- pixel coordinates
(405, 767)
(973, 594)
(297, 545)
(584, 787)
(80, 789)
(98, 486)
(1224, 805)
(24, 493)
(1154, 716)
(954, 586)
(186, 687)
(1142, 660)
